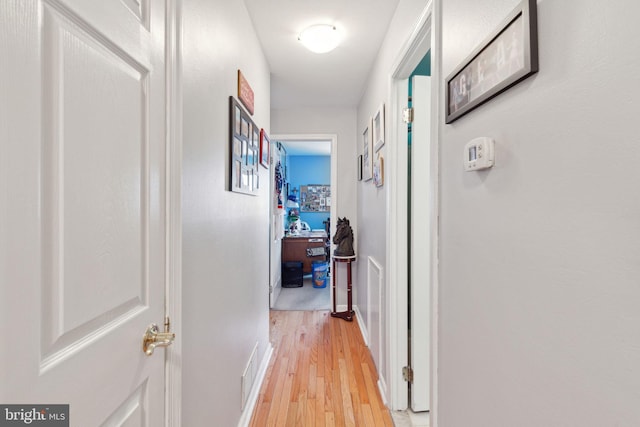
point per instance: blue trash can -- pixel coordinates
(319, 271)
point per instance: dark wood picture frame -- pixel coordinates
(265, 147)
(367, 151)
(244, 148)
(508, 56)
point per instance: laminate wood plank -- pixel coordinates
(367, 416)
(358, 378)
(291, 420)
(381, 415)
(329, 419)
(336, 389)
(278, 391)
(357, 408)
(303, 369)
(261, 413)
(312, 380)
(319, 421)
(271, 380)
(347, 405)
(283, 408)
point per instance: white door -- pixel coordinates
(421, 215)
(82, 207)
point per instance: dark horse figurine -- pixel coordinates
(344, 239)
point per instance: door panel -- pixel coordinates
(85, 208)
(95, 189)
(421, 212)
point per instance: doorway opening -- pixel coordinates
(302, 217)
(422, 41)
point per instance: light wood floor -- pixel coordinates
(321, 374)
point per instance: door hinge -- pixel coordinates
(407, 115)
(407, 374)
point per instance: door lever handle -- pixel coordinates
(153, 338)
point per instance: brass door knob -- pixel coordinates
(154, 338)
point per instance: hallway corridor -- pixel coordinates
(321, 374)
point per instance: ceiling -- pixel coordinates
(300, 78)
(307, 148)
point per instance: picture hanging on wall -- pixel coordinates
(245, 93)
(508, 56)
(265, 146)
(367, 152)
(244, 140)
(315, 198)
(378, 128)
(378, 172)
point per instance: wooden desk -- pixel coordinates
(294, 248)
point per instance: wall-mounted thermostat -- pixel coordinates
(478, 154)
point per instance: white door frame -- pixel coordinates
(173, 298)
(423, 38)
(334, 174)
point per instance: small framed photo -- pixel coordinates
(378, 128)
(378, 172)
(265, 146)
(367, 152)
(508, 56)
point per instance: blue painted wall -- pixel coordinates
(306, 170)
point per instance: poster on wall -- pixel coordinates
(315, 198)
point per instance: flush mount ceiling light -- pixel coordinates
(320, 38)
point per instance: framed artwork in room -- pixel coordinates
(244, 140)
(378, 129)
(506, 57)
(378, 172)
(367, 152)
(265, 146)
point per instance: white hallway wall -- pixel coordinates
(225, 247)
(539, 310)
(372, 201)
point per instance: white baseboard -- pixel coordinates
(276, 292)
(245, 419)
(363, 328)
(382, 386)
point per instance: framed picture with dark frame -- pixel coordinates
(265, 146)
(367, 151)
(508, 56)
(244, 148)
